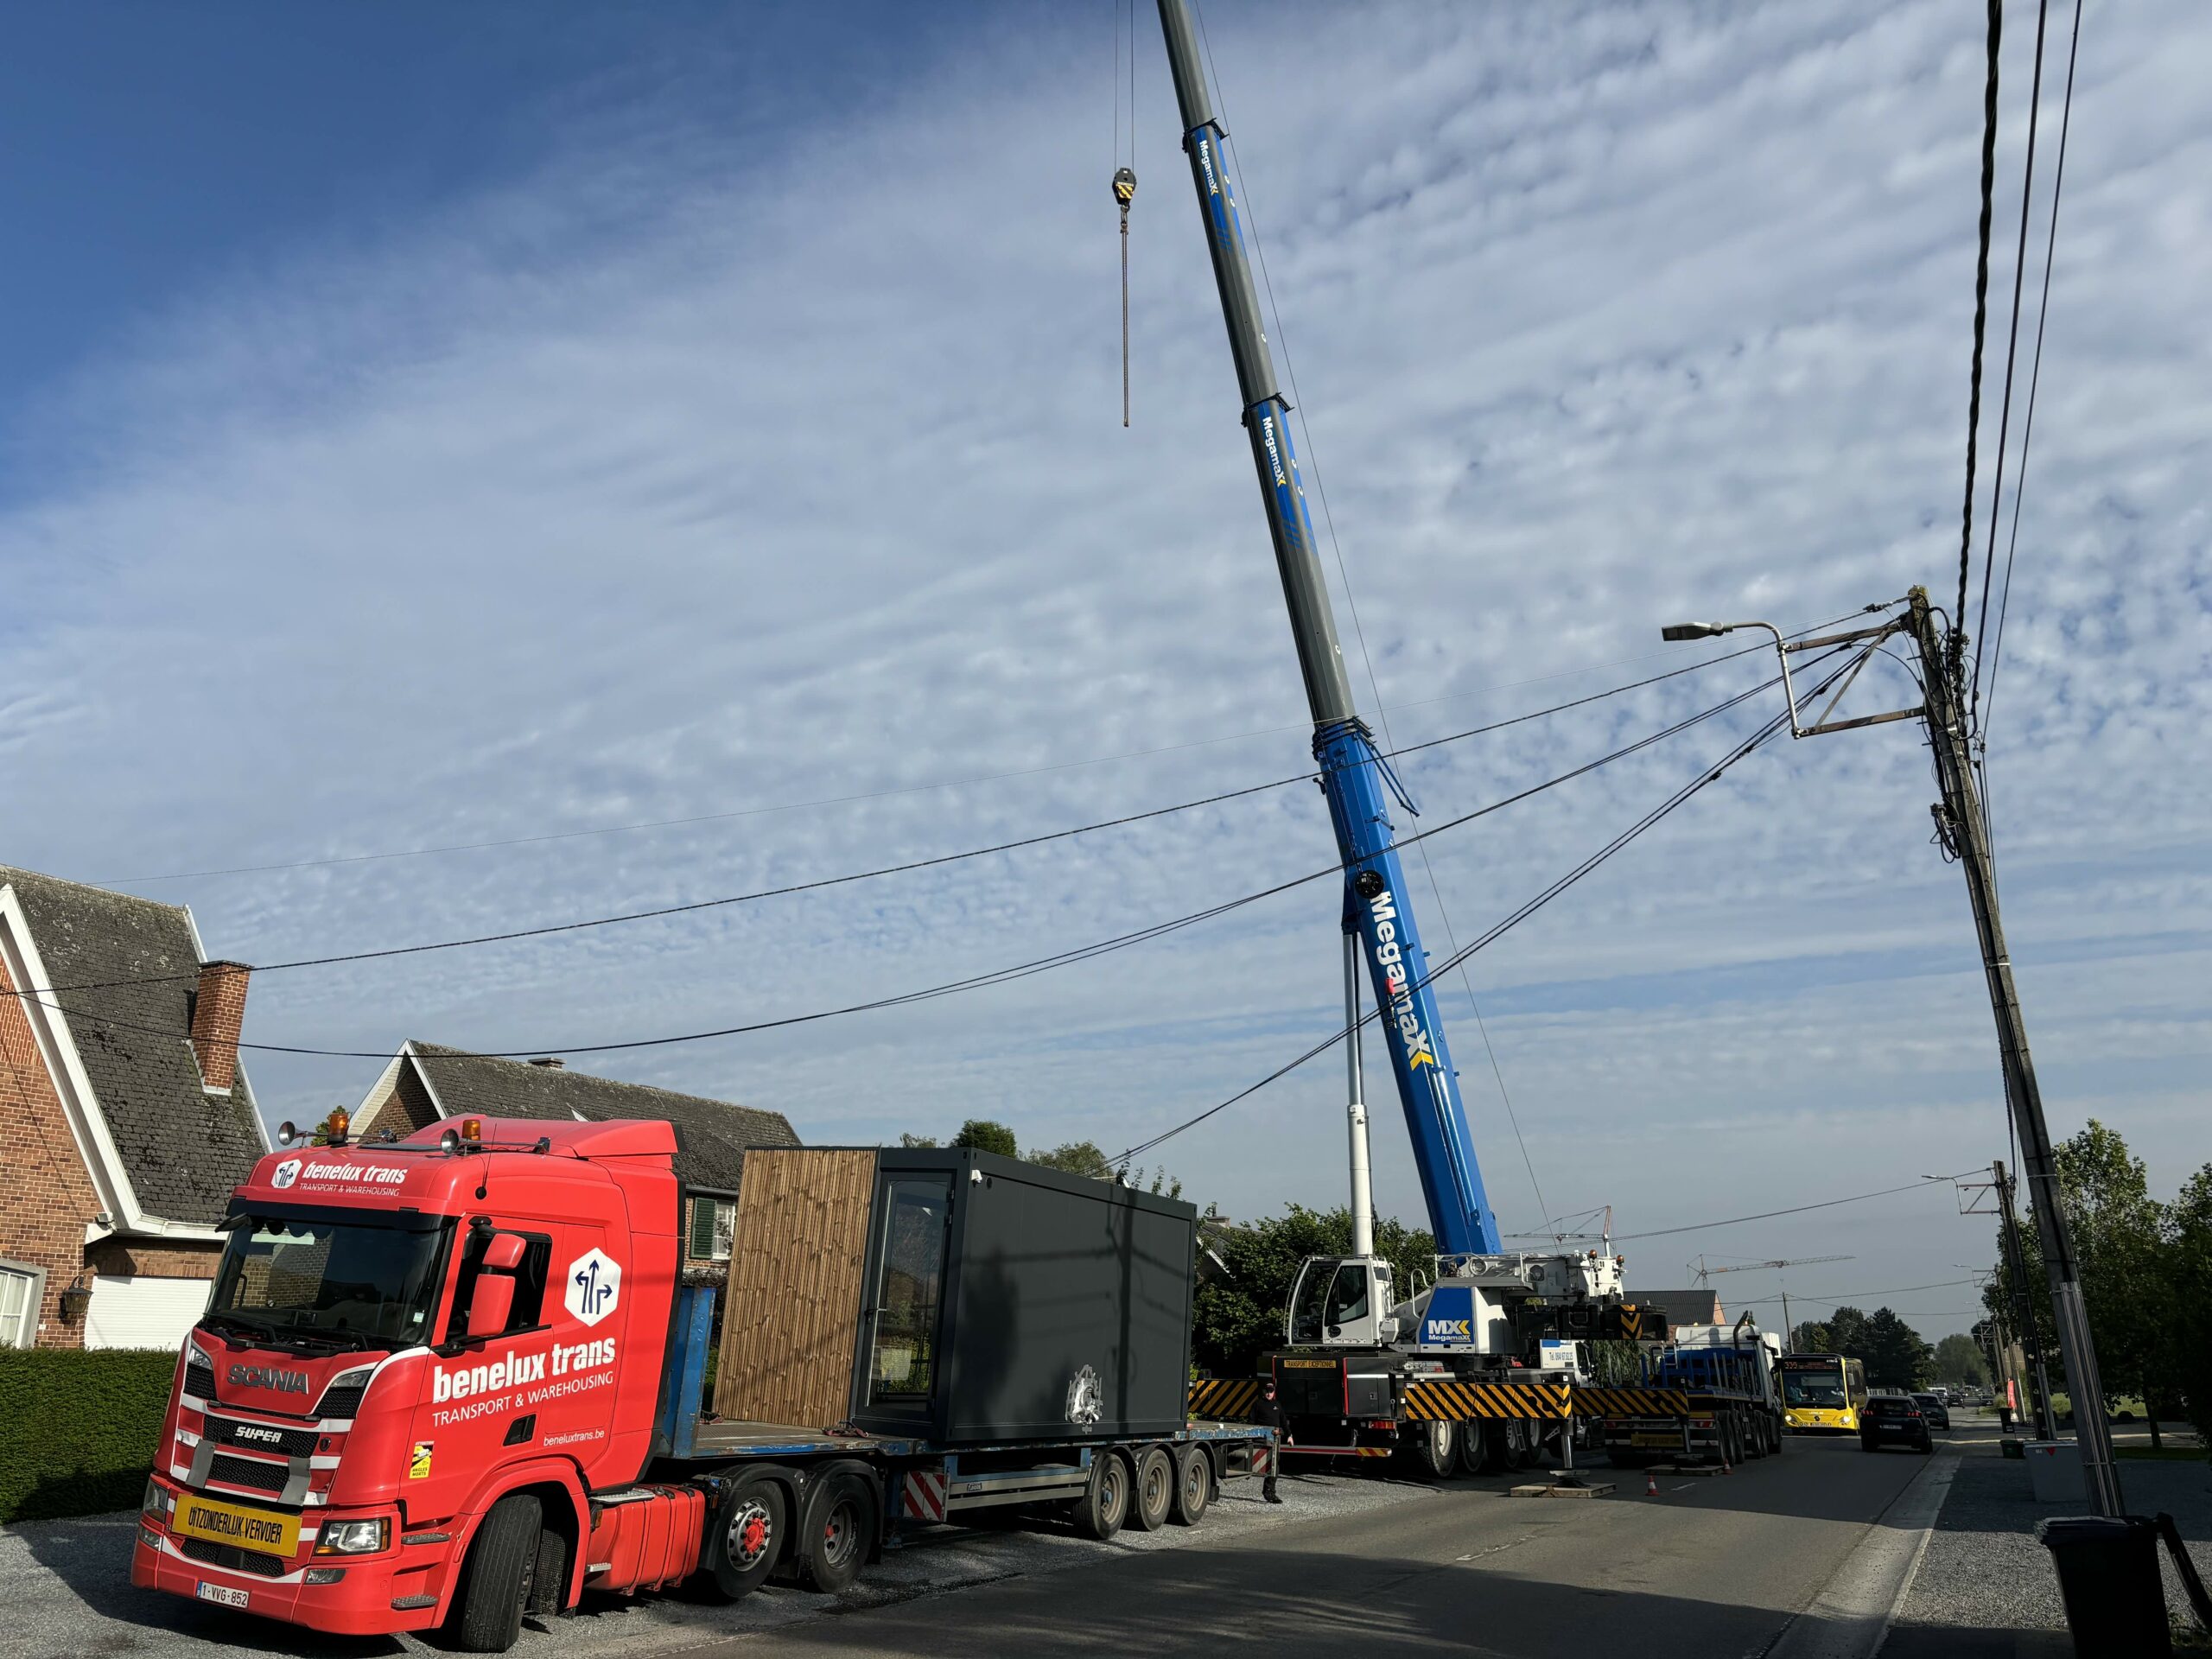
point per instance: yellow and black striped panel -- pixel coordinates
(1429, 1398)
(1630, 1402)
(1224, 1399)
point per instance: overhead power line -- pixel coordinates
(657, 913)
(1801, 1209)
(864, 796)
(1980, 322)
(2011, 356)
(1512, 919)
(996, 976)
(2035, 378)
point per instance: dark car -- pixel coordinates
(1937, 1414)
(1894, 1420)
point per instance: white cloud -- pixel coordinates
(653, 487)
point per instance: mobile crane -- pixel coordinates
(1476, 1366)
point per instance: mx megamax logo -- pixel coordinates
(1390, 958)
(1450, 1320)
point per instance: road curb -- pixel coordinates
(1850, 1617)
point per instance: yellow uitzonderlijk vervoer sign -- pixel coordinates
(233, 1523)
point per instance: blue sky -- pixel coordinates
(420, 428)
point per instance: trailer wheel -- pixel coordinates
(496, 1580)
(1105, 1502)
(834, 1533)
(745, 1537)
(1193, 1486)
(1155, 1492)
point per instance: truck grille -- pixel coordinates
(245, 1472)
(230, 1555)
(344, 1401)
(292, 1442)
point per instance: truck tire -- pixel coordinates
(496, 1580)
(1749, 1439)
(1432, 1447)
(1474, 1448)
(745, 1537)
(1153, 1493)
(834, 1529)
(1105, 1502)
(1193, 1486)
(549, 1581)
(1509, 1444)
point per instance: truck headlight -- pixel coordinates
(354, 1537)
(158, 1502)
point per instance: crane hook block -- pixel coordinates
(1125, 186)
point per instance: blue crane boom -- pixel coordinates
(1354, 776)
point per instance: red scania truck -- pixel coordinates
(449, 1379)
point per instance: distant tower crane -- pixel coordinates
(1703, 1272)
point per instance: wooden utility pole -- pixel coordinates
(1965, 836)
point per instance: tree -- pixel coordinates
(915, 1140)
(2121, 1252)
(1843, 1332)
(1896, 1355)
(2187, 1367)
(1238, 1314)
(983, 1135)
(1959, 1363)
(1075, 1158)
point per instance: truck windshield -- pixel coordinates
(325, 1278)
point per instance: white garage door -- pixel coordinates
(134, 1311)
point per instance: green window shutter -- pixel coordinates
(701, 1242)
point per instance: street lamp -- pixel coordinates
(1678, 632)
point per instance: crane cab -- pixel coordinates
(1341, 1302)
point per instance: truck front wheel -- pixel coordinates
(497, 1581)
(747, 1537)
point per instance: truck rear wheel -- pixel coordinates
(1193, 1486)
(1432, 1447)
(833, 1532)
(745, 1537)
(1474, 1448)
(1154, 1493)
(496, 1581)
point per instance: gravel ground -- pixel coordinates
(1985, 1571)
(67, 1589)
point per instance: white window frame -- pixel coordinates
(27, 1335)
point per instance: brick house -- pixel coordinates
(426, 1082)
(125, 1119)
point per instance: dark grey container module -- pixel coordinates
(1003, 1301)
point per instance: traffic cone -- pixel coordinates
(1725, 1468)
(1651, 1483)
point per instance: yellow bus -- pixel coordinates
(1822, 1393)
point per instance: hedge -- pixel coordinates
(82, 1428)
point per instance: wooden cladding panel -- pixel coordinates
(793, 1319)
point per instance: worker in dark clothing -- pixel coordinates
(1268, 1414)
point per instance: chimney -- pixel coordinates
(551, 1064)
(218, 1012)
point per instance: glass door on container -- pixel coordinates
(915, 1213)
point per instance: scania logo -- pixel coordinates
(267, 1377)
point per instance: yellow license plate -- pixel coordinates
(1656, 1439)
(262, 1530)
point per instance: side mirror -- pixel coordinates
(490, 1304)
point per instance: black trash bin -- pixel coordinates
(2109, 1572)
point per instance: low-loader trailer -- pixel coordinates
(1712, 1395)
(453, 1379)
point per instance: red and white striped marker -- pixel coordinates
(924, 1495)
(1651, 1483)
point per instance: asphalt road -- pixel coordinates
(1715, 1566)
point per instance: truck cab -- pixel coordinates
(400, 1335)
